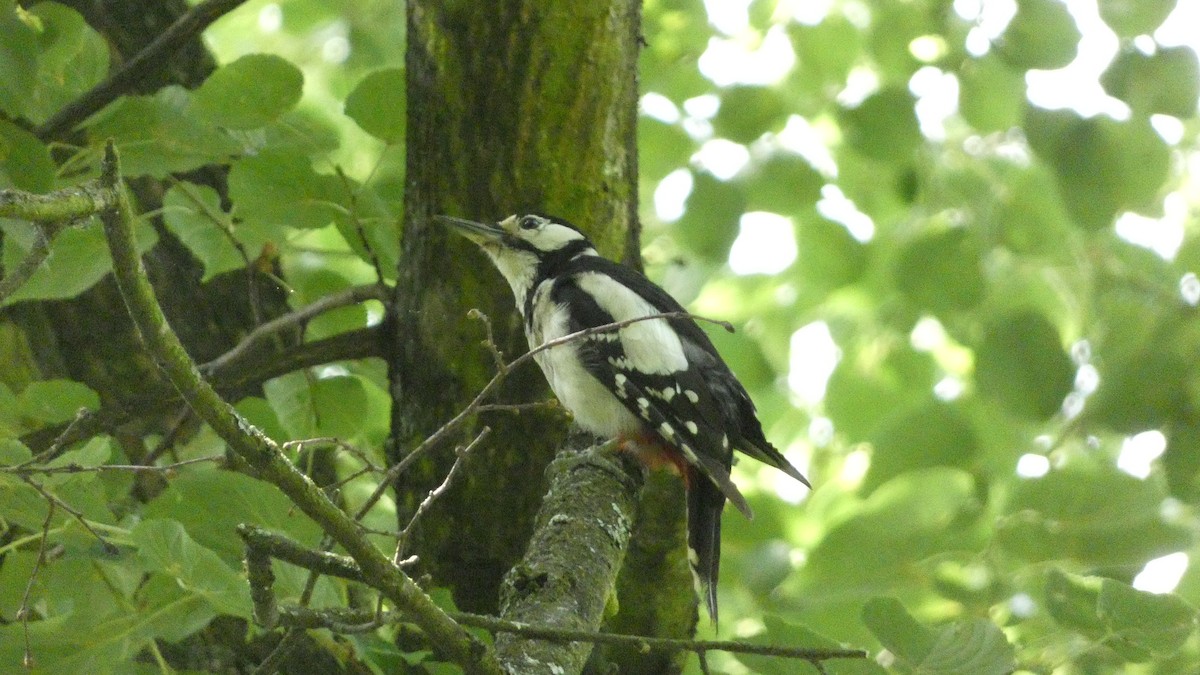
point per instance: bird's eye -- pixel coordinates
(529, 223)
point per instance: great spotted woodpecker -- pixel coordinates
(653, 384)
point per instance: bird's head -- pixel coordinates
(525, 248)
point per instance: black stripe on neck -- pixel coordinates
(551, 265)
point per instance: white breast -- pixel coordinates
(594, 406)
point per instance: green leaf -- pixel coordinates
(78, 259)
(1144, 625)
(250, 92)
(1166, 82)
(228, 499)
(25, 161)
(1021, 364)
(1130, 18)
(991, 96)
(828, 256)
(56, 401)
(782, 632)
(164, 546)
(748, 112)
(156, 135)
(1103, 166)
(378, 104)
(662, 148)
(281, 189)
(1042, 35)
(193, 213)
(330, 406)
(884, 126)
(73, 59)
(940, 271)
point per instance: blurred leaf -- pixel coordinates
(281, 189)
(1166, 82)
(991, 96)
(1042, 35)
(1103, 166)
(157, 135)
(164, 546)
(940, 271)
(1181, 461)
(710, 223)
(934, 434)
(783, 183)
(897, 630)
(903, 522)
(782, 632)
(379, 106)
(825, 54)
(973, 647)
(828, 256)
(24, 160)
(1130, 18)
(1090, 514)
(662, 148)
(884, 126)
(869, 385)
(1021, 364)
(250, 92)
(73, 59)
(56, 401)
(1071, 600)
(1144, 624)
(748, 112)
(13, 452)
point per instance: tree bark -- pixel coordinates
(519, 105)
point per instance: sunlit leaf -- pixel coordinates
(1042, 35)
(378, 105)
(250, 92)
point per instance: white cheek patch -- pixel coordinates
(650, 346)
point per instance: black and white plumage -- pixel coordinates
(659, 381)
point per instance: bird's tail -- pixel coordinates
(705, 502)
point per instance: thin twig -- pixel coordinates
(23, 612)
(402, 540)
(152, 58)
(350, 296)
(38, 252)
(76, 514)
(29, 470)
(60, 443)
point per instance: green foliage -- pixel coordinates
(250, 92)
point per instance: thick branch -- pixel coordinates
(260, 452)
(61, 205)
(569, 571)
(146, 62)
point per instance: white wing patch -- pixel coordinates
(650, 346)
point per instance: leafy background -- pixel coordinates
(965, 308)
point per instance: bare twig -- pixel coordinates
(350, 296)
(147, 61)
(27, 469)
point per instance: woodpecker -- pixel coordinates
(655, 385)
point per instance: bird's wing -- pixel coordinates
(645, 366)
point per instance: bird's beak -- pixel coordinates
(480, 233)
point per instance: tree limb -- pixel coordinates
(569, 571)
(262, 453)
